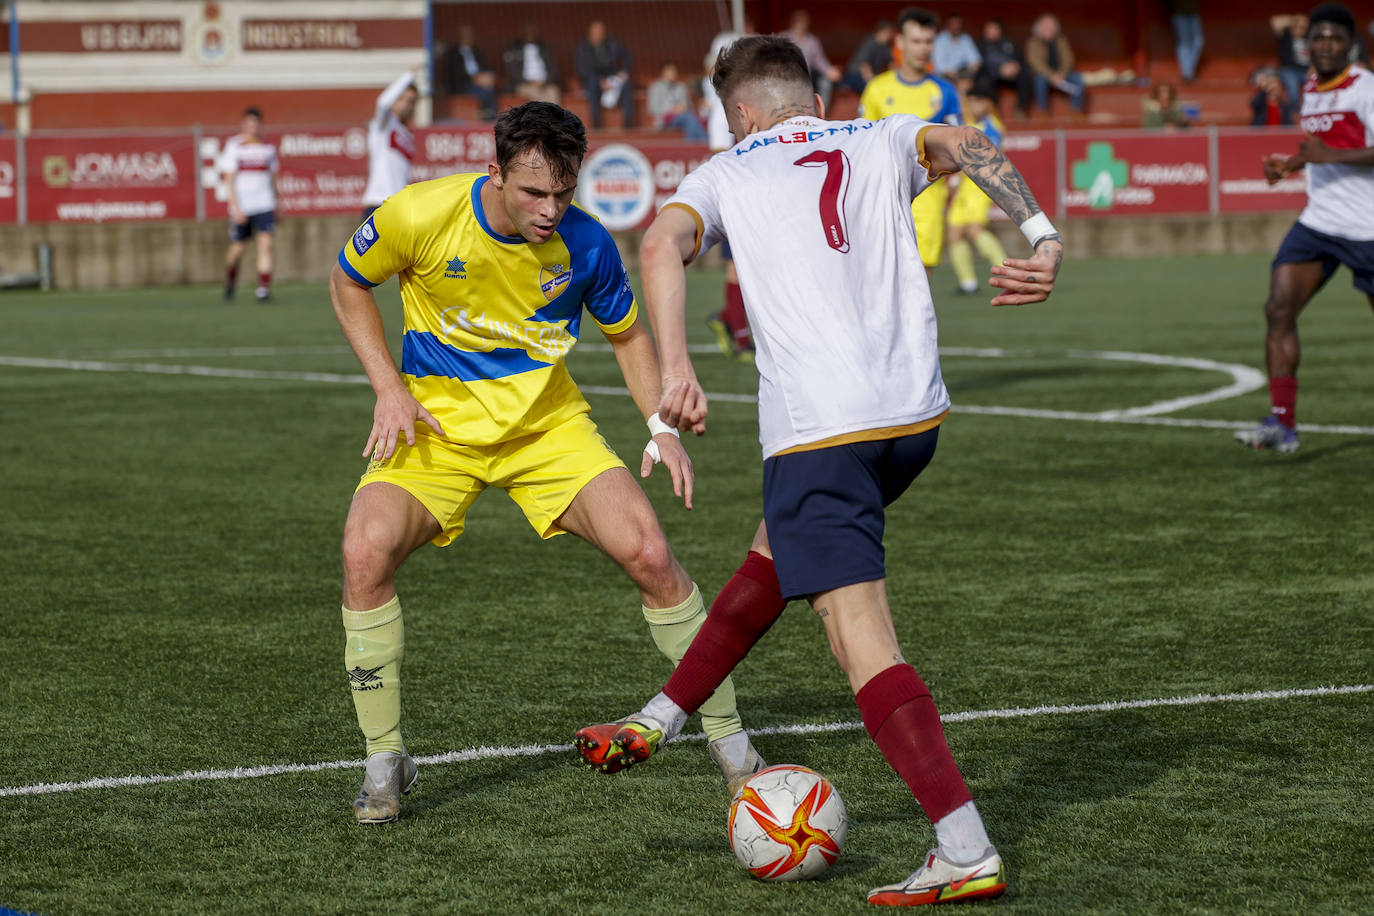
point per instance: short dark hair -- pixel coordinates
(759, 57)
(1335, 13)
(983, 88)
(554, 132)
(918, 15)
(252, 111)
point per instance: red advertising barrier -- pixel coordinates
(92, 179)
(1120, 173)
(9, 181)
(1240, 176)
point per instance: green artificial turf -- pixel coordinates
(169, 554)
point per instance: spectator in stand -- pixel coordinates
(956, 56)
(1002, 65)
(1187, 21)
(603, 66)
(1294, 56)
(824, 74)
(468, 74)
(1161, 109)
(873, 57)
(670, 105)
(531, 70)
(1050, 59)
(1270, 106)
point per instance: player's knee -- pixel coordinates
(1280, 310)
(369, 554)
(651, 562)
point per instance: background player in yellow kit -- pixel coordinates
(495, 270)
(910, 89)
(968, 212)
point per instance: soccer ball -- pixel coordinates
(787, 824)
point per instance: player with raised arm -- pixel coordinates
(390, 144)
(249, 166)
(912, 89)
(1337, 225)
(850, 403)
(495, 270)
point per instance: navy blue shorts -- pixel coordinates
(1302, 244)
(258, 222)
(725, 251)
(824, 509)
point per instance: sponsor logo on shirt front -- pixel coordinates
(365, 237)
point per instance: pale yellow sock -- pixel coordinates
(372, 656)
(673, 629)
(961, 256)
(990, 247)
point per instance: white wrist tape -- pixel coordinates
(1038, 228)
(656, 426)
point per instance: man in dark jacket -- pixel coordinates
(1002, 64)
(603, 66)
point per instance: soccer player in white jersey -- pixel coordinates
(1337, 225)
(850, 402)
(249, 166)
(390, 144)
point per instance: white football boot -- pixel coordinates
(388, 776)
(941, 881)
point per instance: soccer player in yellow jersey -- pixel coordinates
(968, 213)
(911, 90)
(495, 270)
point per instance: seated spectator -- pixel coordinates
(531, 70)
(670, 105)
(468, 75)
(824, 74)
(1162, 110)
(603, 66)
(955, 57)
(873, 57)
(1050, 59)
(1002, 64)
(1270, 106)
(1294, 55)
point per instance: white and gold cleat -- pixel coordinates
(736, 764)
(388, 776)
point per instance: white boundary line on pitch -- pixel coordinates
(1244, 380)
(536, 750)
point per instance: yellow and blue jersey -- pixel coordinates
(489, 318)
(992, 126)
(931, 97)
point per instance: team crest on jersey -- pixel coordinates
(365, 237)
(553, 279)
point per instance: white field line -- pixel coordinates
(536, 750)
(201, 352)
(1244, 380)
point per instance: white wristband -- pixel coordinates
(656, 426)
(1038, 228)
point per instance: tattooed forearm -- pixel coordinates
(990, 170)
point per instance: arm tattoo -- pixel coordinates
(990, 170)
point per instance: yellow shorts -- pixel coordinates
(542, 472)
(971, 205)
(928, 210)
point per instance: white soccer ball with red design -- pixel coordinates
(788, 824)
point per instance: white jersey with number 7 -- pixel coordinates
(818, 214)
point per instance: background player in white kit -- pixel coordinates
(1337, 225)
(850, 402)
(249, 166)
(390, 144)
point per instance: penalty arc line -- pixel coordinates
(536, 750)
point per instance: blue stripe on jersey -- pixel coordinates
(597, 267)
(353, 273)
(424, 354)
(481, 215)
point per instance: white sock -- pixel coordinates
(666, 715)
(961, 835)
